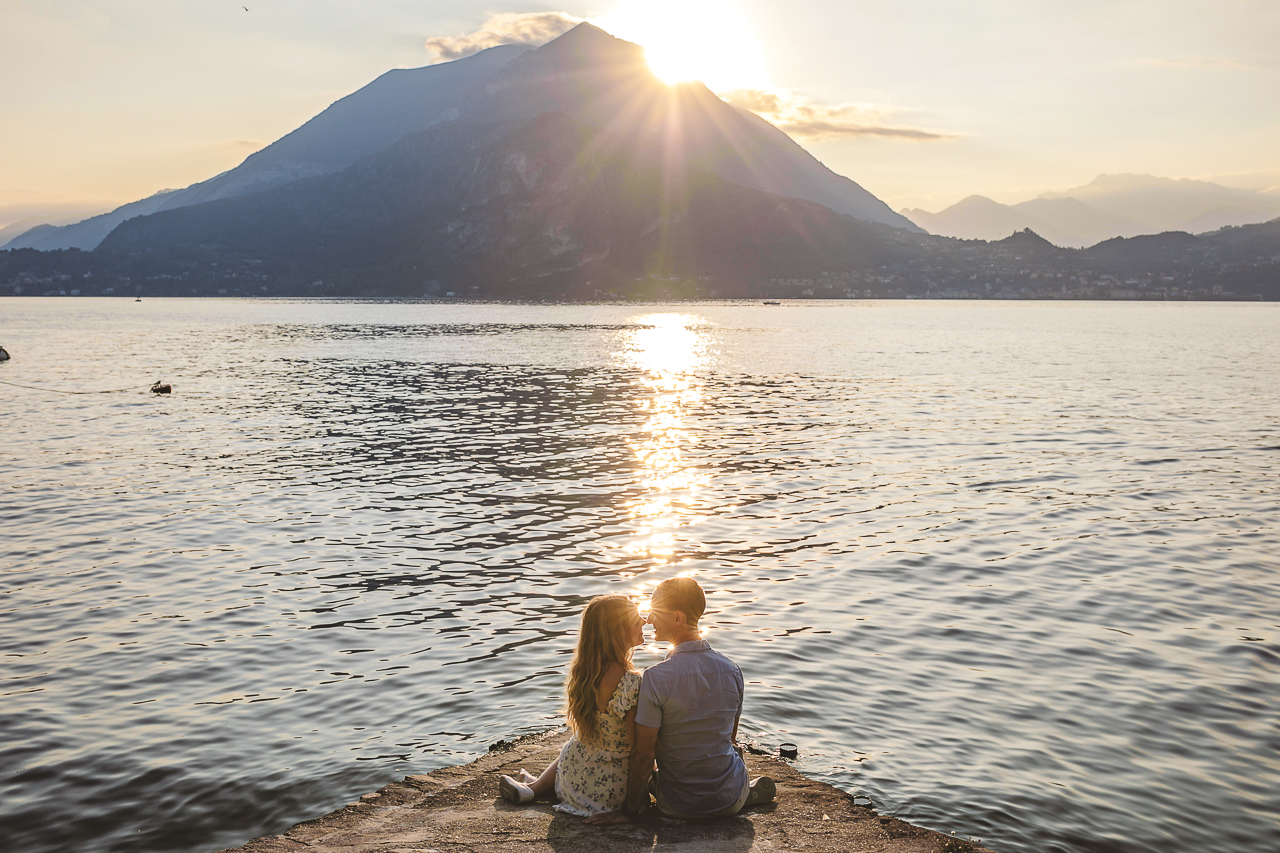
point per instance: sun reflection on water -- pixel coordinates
(669, 348)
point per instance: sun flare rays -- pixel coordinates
(705, 40)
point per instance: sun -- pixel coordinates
(706, 40)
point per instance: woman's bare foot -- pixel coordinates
(607, 819)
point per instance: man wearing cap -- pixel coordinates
(687, 719)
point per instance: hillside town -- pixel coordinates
(1233, 264)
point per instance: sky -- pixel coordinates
(922, 102)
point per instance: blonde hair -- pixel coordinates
(603, 639)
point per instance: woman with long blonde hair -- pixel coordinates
(590, 776)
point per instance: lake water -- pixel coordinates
(1008, 569)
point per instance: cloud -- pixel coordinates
(797, 115)
(531, 28)
(757, 101)
(813, 129)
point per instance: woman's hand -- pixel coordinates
(608, 819)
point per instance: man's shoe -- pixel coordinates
(763, 790)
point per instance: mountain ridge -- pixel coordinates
(1124, 205)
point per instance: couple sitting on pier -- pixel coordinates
(683, 712)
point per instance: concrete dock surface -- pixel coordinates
(459, 810)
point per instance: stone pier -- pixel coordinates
(458, 810)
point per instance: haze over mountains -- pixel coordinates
(1109, 206)
(586, 74)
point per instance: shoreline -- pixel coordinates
(457, 809)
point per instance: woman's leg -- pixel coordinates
(546, 783)
(526, 789)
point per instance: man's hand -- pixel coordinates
(640, 767)
(607, 819)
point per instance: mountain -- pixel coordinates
(1133, 253)
(1109, 206)
(1062, 221)
(974, 218)
(604, 81)
(1071, 222)
(1168, 204)
(1246, 243)
(23, 226)
(16, 229)
(1027, 244)
(88, 232)
(586, 74)
(399, 102)
(517, 208)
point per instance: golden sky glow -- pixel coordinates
(922, 103)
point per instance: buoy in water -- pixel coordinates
(4, 355)
(162, 388)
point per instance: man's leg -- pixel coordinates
(763, 789)
(760, 790)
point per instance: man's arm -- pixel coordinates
(641, 766)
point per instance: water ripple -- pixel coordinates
(995, 566)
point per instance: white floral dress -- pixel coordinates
(593, 779)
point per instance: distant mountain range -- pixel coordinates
(21, 219)
(1109, 206)
(587, 75)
